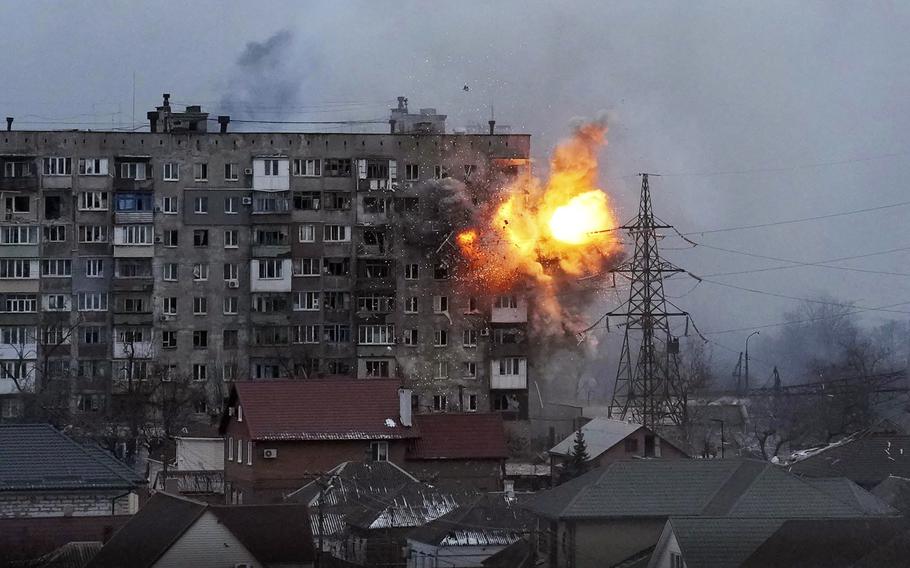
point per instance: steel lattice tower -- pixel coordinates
(648, 392)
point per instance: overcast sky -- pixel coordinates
(772, 111)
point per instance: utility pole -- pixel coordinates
(747, 359)
(738, 374)
(648, 391)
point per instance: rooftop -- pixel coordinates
(493, 519)
(868, 459)
(459, 436)
(39, 457)
(720, 542)
(600, 434)
(313, 410)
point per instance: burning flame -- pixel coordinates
(565, 220)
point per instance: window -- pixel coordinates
(308, 167)
(231, 271)
(472, 305)
(377, 368)
(52, 205)
(411, 271)
(92, 234)
(249, 460)
(230, 453)
(19, 235)
(410, 305)
(200, 305)
(307, 233)
(374, 205)
(440, 338)
(200, 237)
(410, 337)
(170, 305)
(229, 338)
(201, 205)
(169, 272)
(168, 339)
(20, 303)
(306, 267)
(55, 233)
(408, 205)
(336, 333)
(55, 335)
(200, 339)
(306, 334)
(271, 335)
(440, 402)
(56, 268)
(169, 205)
(231, 239)
(229, 371)
(231, 172)
(379, 451)
(375, 303)
(306, 301)
(441, 370)
(271, 167)
(93, 166)
(132, 170)
(92, 334)
(501, 402)
(510, 366)
(11, 268)
(92, 301)
(271, 236)
(472, 403)
(200, 372)
(171, 238)
(411, 172)
(469, 369)
(336, 233)
(440, 304)
(333, 167)
(440, 172)
(171, 171)
(56, 303)
(506, 302)
(93, 201)
(230, 305)
(58, 166)
(135, 234)
(383, 334)
(337, 201)
(200, 271)
(200, 171)
(441, 271)
(337, 301)
(270, 268)
(469, 338)
(230, 205)
(17, 335)
(676, 560)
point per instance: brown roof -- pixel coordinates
(459, 436)
(321, 409)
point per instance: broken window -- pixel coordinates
(337, 300)
(374, 205)
(307, 200)
(379, 368)
(52, 206)
(337, 201)
(336, 266)
(335, 167)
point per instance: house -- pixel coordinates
(519, 554)
(834, 543)
(867, 458)
(613, 513)
(609, 440)
(279, 433)
(70, 555)
(55, 490)
(715, 542)
(459, 450)
(361, 512)
(895, 491)
(470, 534)
(175, 531)
(527, 476)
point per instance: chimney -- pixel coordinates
(404, 407)
(223, 120)
(403, 104)
(392, 123)
(9, 123)
(167, 100)
(492, 124)
(152, 115)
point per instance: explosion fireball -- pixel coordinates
(566, 220)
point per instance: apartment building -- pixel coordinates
(227, 256)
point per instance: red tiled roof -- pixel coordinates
(459, 436)
(322, 409)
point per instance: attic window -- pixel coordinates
(379, 451)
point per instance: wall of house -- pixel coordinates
(664, 551)
(618, 452)
(194, 454)
(207, 544)
(598, 544)
(483, 475)
(422, 555)
(69, 503)
(26, 538)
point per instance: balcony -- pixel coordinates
(134, 350)
(24, 183)
(128, 184)
(382, 184)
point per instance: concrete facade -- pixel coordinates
(227, 256)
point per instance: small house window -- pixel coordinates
(379, 451)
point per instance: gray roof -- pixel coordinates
(684, 488)
(720, 542)
(600, 434)
(866, 458)
(38, 457)
(852, 494)
(894, 491)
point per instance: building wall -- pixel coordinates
(482, 475)
(403, 209)
(196, 454)
(596, 544)
(28, 538)
(207, 544)
(66, 504)
(666, 548)
(618, 452)
(422, 555)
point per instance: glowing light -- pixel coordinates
(578, 221)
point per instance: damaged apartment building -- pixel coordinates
(221, 256)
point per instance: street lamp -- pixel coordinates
(723, 452)
(747, 358)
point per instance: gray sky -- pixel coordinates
(805, 101)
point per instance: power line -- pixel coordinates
(810, 165)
